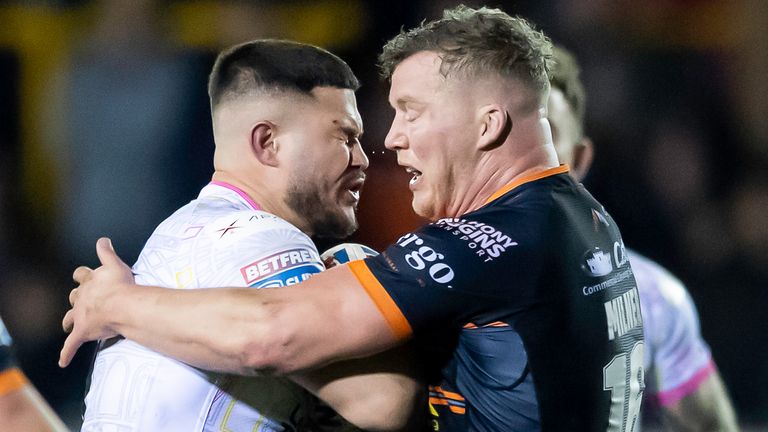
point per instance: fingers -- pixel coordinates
(82, 274)
(106, 253)
(73, 296)
(68, 322)
(71, 345)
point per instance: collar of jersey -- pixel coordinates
(536, 175)
(238, 191)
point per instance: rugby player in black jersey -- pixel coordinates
(520, 288)
(22, 409)
(683, 382)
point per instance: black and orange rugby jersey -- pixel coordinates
(533, 301)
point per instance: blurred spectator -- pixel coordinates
(122, 129)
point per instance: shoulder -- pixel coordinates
(236, 226)
(659, 289)
(464, 254)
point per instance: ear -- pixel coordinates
(495, 125)
(583, 153)
(263, 143)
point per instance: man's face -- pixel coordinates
(326, 162)
(565, 132)
(431, 132)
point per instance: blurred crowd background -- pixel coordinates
(104, 130)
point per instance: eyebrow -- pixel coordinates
(353, 130)
(403, 100)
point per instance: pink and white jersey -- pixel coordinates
(219, 239)
(676, 357)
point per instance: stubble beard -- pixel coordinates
(304, 198)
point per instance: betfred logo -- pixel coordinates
(276, 263)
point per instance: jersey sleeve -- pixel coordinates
(11, 378)
(441, 276)
(680, 358)
(264, 252)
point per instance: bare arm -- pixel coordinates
(706, 409)
(382, 392)
(24, 410)
(327, 318)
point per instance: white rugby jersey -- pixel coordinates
(220, 239)
(676, 359)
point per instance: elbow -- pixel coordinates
(381, 412)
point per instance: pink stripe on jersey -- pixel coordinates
(238, 191)
(669, 397)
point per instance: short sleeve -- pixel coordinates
(680, 358)
(438, 277)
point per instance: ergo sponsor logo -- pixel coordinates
(426, 258)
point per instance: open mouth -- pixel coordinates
(415, 175)
(355, 187)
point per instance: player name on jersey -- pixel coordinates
(623, 314)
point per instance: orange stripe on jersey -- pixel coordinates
(527, 179)
(397, 321)
(447, 394)
(11, 380)
(454, 409)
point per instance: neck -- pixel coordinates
(257, 192)
(492, 176)
(528, 150)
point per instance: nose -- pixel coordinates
(395, 139)
(359, 158)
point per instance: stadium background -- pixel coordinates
(104, 130)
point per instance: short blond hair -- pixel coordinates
(475, 42)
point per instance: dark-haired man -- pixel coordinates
(22, 409)
(288, 164)
(681, 374)
(491, 290)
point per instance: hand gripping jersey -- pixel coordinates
(677, 359)
(11, 378)
(531, 299)
(220, 239)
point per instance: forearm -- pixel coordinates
(206, 328)
(379, 393)
(707, 409)
(247, 331)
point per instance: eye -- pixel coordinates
(411, 111)
(349, 140)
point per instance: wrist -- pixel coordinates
(116, 306)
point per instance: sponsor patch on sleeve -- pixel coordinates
(282, 269)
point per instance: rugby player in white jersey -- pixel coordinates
(680, 373)
(288, 164)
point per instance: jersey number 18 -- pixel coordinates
(624, 378)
